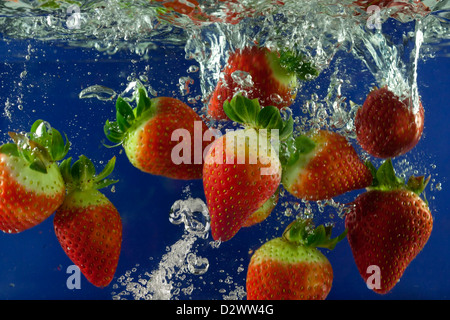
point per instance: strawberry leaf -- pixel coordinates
(298, 148)
(269, 118)
(287, 129)
(298, 64)
(242, 110)
(126, 116)
(143, 102)
(302, 232)
(386, 179)
(9, 149)
(82, 174)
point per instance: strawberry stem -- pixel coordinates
(249, 113)
(126, 116)
(82, 174)
(385, 179)
(302, 232)
(41, 147)
(297, 64)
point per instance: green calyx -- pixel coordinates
(385, 179)
(298, 65)
(302, 232)
(295, 148)
(40, 147)
(127, 117)
(82, 174)
(249, 113)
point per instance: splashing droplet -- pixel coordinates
(98, 91)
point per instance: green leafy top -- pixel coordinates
(249, 113)
(82, 174)
(127, 117)
(41, 147)
(302, 232)
(385, 179)
(298, 65)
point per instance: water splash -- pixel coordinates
(180, 261)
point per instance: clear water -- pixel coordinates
(67, 61)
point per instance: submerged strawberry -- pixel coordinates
(269, 76)
(31, 185)
(387, 127)
(87, 225)
(324, 166)
(263, 212)
(146, 133)
(242, 169)
(291, 267)
(387, 227)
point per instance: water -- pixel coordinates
(66, 62)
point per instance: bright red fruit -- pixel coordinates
(87, 225)
(242, 169)
(31, 185)
(387, 227)
(269, 76)
(323, 166)
(387, 127)
(146, 133)
(262, 212)
(291, 267)
(234, 189)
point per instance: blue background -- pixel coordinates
(33, 265)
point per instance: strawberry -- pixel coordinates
(242, 169)
(387, 127)
(87, 225)
(323, 166)
(388, 226)
(146, 133)
(227, 11)
(262, 212)
(31, 185)
(273, 78)
(291, 267)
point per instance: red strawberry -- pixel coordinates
(291, 267)
(387, 127)
(242, 169)
(31, 185)
(262, 212)
(273, 78)
(228, 11)
(87, 225)
(387, 227)
(323, 166)
(146, 133)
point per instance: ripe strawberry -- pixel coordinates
(87, 225)
(242, 169)
(228, 11)
(146, 133)
(388, 226)
(291, 267)
(273, 78)
(262, 212)
(323, 166)
(31, 185)
(387, 127)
